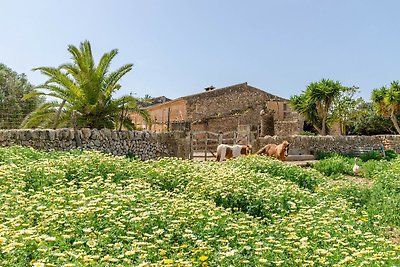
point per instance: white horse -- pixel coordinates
(228, 152)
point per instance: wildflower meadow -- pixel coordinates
(81, 208)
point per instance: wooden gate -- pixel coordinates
(203, 144)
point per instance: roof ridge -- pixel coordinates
(222, 88)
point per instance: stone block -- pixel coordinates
(85, 133)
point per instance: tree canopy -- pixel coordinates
(13, 87)
(86, 88)
(387, 102)
(316, 101)
(346, 109)
(366, 121)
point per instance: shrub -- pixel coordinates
(325, 154)
(334, 165)
(371, 155)
(304, 178)
(390, 154)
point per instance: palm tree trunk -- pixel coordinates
(318, 129)
(343, 128)
(58, 114)
(122, 114)
(76, 132)
(323, 130)
(394, 120)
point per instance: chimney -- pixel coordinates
(210, 88)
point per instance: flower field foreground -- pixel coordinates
(381, 196)
(92, 209)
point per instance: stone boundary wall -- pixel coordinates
(143, 144)
(300, 144)
(146, 145)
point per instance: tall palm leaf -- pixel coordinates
(387, 102)
(304, 106)
(86, 88)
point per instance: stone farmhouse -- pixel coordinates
(239, 107)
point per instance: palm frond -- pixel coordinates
(104, 63)
(112, 80)
(32, 95)
(41, 116)
(87, 89)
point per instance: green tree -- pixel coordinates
(316, 101)
(86, 88)
(345, 108)
(13, 87)
(387, 102)
(368, 122)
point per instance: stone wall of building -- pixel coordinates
(223, 109)
(229, 123)
(288, 127)
(346, 144)
(224, 101)
(142, 144)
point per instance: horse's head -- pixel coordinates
(249, 149)
(285, 147)
(246, 150)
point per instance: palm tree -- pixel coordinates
(387, 102)
(303, 105)
(86, 88)
(316, 101)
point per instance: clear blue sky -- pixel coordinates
(178, 47)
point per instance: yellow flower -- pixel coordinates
(360, 253)
(129, 253)
(348, 259)
(118, 245)
(168, 261)
(91, 243)
(50, 238)
(203, 258)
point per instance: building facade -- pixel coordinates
(231, 108)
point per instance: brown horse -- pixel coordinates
(277, 151)
(228, 152)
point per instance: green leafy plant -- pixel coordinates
(375, 155)
(334, 165)
(95, 209)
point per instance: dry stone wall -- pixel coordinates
(146, 145)
(346, 144)
(142, 144)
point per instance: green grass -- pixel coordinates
(92, 209)
(380, 199)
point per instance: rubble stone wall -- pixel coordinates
(300, 144)
(146, 145)
(142, 144)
